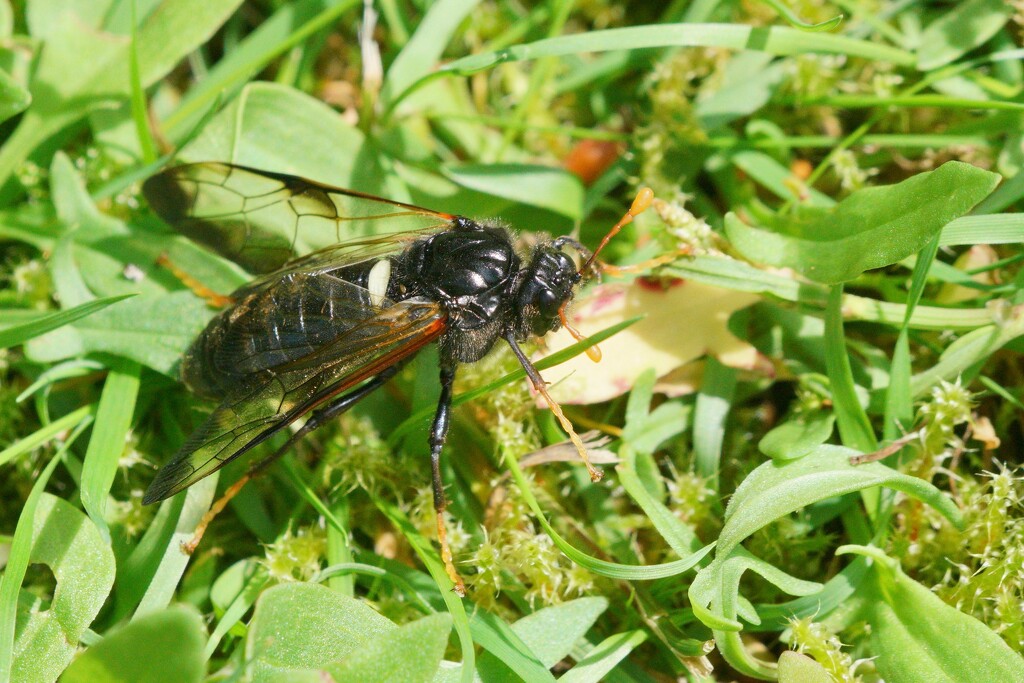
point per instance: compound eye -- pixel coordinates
(548, 303)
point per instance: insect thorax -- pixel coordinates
(472, 271)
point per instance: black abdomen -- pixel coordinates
(271, 325)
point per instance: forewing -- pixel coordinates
(256, 410)
(262, 220)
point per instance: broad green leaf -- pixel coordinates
(129, 654)
(775, 489)
(307, 626)
(549, 634)
(918, 637)
(795, 667)
(542, 186)
(65, 86)
(410, 653)
(508, 657)
(19, 334)
(95, 250)
(871, 228)
(798, 436)
(39, 14)
(276, 128)
(600, 661)
(552, 632)
(965, 26)
(71, 546)
(714, 596)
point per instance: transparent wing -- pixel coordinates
(262, 220)
(257, 408)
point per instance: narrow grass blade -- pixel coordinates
(44, 434)
(854, 426)
(612, 570)
(19, 334)
(107, 444)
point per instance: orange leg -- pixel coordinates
(211, 297)
(190, 547)
(446, 557)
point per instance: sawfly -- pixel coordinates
(316, 332)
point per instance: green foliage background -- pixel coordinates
(859, 174)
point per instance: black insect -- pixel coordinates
(315, 334)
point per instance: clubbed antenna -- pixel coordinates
(643, 200)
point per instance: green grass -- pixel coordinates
(839, 240)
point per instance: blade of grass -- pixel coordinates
(419, 56)
(138, 95)
(680, 537)
(41, 436)
(612, 570)
(160, 590)
(274, 37)
(107, 444)
(429, 557)
(793, 20)
(903, 101)
(774, 40)
(19, 334)
(854, 426)
(498, 638)
(899, 408)
(714, 400)
(1007, 228)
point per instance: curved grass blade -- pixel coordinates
(793, 20)
(777, 40)
(19, 334)
(614, 570)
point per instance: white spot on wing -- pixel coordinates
(377, 281)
